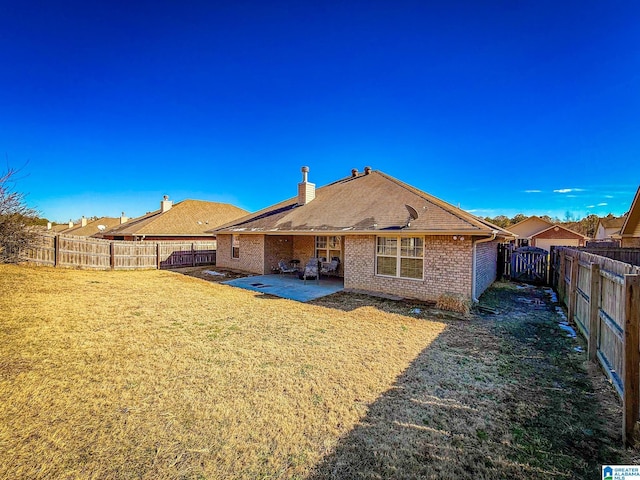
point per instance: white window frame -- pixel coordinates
(329, 247)
(398, 256)
(235, 246)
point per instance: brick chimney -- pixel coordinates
(123, 219)
(83, 221)
(165, 204)
(70, 223)
(306, 190)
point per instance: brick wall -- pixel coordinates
(276, 248)
(447, 268)
(304, 248)
(251, 254)
(486, 265)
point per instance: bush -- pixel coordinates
(454, 302)
(17, 230)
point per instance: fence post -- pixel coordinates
(56, 250)
(573, 286)
(594, 312)
(630, 365)
(158, 255)
(561, 288)
(193, 254)
(112, 255)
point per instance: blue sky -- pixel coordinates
(501, 107)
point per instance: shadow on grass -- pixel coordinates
(499, 397)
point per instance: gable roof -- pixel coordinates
(365, 203)
(560, 227)
(613, 222)
(631, 226)
(530, 226)
(189, 217)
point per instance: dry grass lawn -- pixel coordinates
(155, 375)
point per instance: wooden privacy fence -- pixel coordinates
(626, 255)
(602, 297)
(524, 264)
(86, 252)
(529, 265)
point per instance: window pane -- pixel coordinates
(411, 267)
(334, 242)
(386, 266)
(235, 246)
(387, 246)
(321, 242)
(411, 247)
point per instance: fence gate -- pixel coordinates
(529, 265)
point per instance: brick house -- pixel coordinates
(537, 232)
(630, 231)
(186, 220)
(389, 237)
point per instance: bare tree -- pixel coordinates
(16, 220)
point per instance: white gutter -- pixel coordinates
(494, 233)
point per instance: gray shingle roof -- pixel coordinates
(369, 203)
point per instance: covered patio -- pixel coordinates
(290, 286)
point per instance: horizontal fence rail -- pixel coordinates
(602, 297)
(96, 253)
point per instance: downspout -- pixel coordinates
(494, 233)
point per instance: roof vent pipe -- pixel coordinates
(354, 172)
(367, 170)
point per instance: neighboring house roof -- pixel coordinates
(59, 228)
(609, 227)
(364, 203)
(91, 228)
(186, 218)
(528, 227)
(556, 229)
(613, 222)
(631, 226)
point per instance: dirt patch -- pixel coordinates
(211, 273)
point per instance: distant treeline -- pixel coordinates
(586, 226)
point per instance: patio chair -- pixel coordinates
(330, 268)
(284, 268)
(311, 270)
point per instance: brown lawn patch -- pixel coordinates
(157, 375)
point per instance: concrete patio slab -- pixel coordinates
(289, 286)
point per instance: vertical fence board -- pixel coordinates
(594, 310)
(632, 357)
